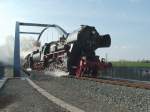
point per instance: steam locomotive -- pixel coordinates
(74, 53)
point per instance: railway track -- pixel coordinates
(120, 82)
(113, 81)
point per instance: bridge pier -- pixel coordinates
(17, 52)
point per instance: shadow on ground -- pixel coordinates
(6, 100)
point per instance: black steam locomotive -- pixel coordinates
(74, 53)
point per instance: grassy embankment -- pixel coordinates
(130, 64)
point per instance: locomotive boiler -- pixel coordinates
(73, 53)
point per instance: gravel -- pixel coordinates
(93, 96)
(18, 96)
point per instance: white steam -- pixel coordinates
(27, 46)
(7, 50)
(56, 73)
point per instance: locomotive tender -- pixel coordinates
(74, 53)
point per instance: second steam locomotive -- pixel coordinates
(73, 53)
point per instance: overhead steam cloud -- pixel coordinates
(7, 50)
(26, 46)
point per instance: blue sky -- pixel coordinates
(127, 21)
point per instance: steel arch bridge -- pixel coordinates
(17, 65)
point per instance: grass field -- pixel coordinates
(130, 64)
